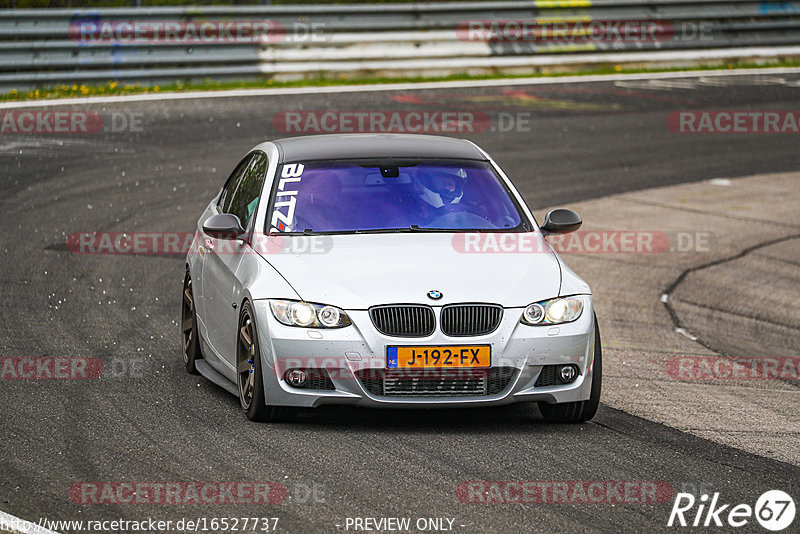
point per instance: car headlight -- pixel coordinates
(307, 315)
(553, 311)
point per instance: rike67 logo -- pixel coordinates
(774, 510)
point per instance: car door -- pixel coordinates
(205, 244)
(221, 287)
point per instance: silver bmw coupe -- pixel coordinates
(381, 270)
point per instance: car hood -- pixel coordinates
(355, 272)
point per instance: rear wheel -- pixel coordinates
(248, 370)
(191, 345)
(581, 411)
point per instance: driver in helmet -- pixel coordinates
(440, 188)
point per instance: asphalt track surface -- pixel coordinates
(156, 423)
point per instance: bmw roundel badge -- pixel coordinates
(435, 294)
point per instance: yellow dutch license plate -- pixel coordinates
(442, 357)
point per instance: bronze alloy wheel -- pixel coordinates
(249, 376)
(245, 360)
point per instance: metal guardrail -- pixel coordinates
(46, 47)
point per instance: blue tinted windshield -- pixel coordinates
(336, 197)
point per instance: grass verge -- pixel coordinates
(113, 88)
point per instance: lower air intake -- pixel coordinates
(436, 382)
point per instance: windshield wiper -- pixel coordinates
(408, 229)
(382, 231)
(416, 228)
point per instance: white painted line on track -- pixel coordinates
(14, 524)
(720, 181)
(684, 332)
(405, 86)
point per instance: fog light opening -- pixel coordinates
(296, 377)
(568, 373)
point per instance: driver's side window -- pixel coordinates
(224, 202)
(245, 199)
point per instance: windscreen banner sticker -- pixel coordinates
(285, 198)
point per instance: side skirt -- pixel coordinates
(211, 374)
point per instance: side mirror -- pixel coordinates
(561, 221)
(223, 226)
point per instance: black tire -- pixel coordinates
(189, 332)
(581, 411)
(249, 377)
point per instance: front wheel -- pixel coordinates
(248, 371)
(581, 411)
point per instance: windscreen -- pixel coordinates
(374, 196)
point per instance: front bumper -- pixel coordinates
(346, 352)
